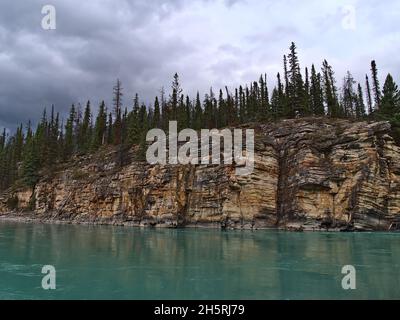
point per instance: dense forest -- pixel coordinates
(297, 93)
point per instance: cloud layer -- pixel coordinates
(209, 43)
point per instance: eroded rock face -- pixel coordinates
(309, 174)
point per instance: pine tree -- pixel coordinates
(189, 112)
(198, 114)
(278, 100)
(296, 95)
(157, 114)
(369, 96)
(53, 138)
(84, 132)
(316, 94)
(69, 134)
(360, 105)
(134, 124)
(348, 96)
(174, 98)
(242, 105)
(207, 118)
(330, 91)
(375, 85)
(182, 119)
(41, 137)
(110, 129)
(390, 104)
(117, 101)
(286, 74)
(100, 127)
(30, 166)
(231, 109)
(3, 140)
(164, 111)
(222, 110)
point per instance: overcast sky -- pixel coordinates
(209, 43)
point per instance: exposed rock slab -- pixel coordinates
(310, 174)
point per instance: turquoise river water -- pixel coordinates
(101, 262)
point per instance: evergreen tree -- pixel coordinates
(69, 133)
(110, 129)
(278, 101)
(390, 104)
(164, 111)
(3, 140)
(100, 127)
(296, 95)
(182, 116)
(360, 105)
(369, 96)
(198, 114)
(348, 96)
(174, 98)
(189, 112)
(52, 137)
(157, 114)
(31, 165)
(242, 105)
(134, 124)
(222, 110)
(286, 74)
(330, 91)
(376, 86)
(316, 94)
(117, 100)
(84, 137)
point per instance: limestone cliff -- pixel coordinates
(309, 174)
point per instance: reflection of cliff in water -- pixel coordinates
(113, 262)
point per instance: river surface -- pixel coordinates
(101, 262)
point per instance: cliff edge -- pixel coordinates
(310, 174)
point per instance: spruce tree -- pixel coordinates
(360, 105)
(295, 94)
(198, 114)
(330, 91)
(157, 114)
(390, 104)
(375, 85)
(369, 96)
(348, 96)
(117, 101)
(100, 127)
(30, 165)
(110, 129)
(316, 94)
(84, 137)
(174, 98)
(3, 139)
(69, 134)
(134, 125)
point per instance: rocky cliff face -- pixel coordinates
(309, 174)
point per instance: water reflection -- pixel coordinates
(125, 263)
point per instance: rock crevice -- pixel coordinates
(309, 174)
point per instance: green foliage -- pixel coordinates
(27, 152)
(390, 102)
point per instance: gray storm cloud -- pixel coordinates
(209, 43)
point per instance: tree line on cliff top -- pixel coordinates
(296, 94)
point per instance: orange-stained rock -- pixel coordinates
(309, 174)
